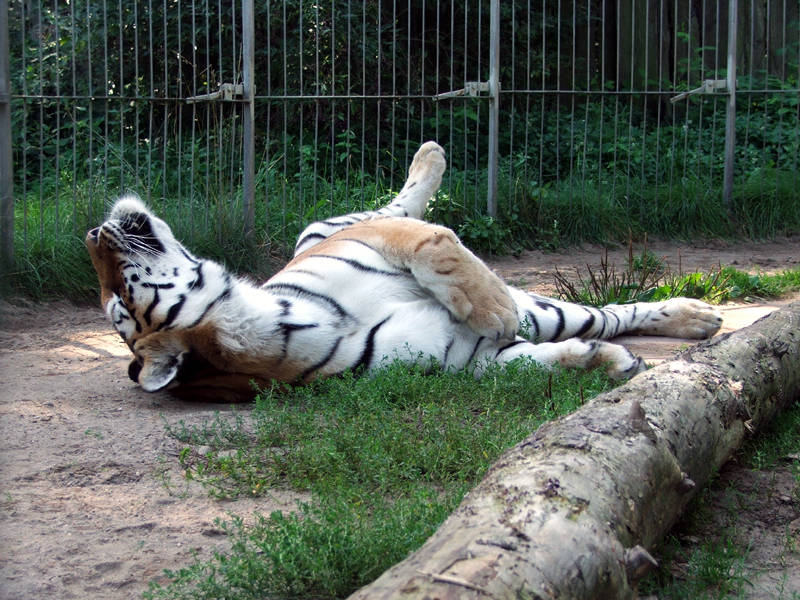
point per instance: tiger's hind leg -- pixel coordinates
(424, 179)
(620, 363)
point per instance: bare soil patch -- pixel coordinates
(92, 501)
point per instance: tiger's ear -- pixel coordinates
(159, 358)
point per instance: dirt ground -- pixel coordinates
(93, 504)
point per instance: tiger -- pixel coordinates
(361, 290)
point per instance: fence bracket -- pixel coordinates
(227, 92)
(709, 86)
(471, 88)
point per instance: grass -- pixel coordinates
(51, 220)
(386, 458)
(646, 278)
(706, 556)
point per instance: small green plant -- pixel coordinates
(649, 279)
(485, 234)
(607, 285)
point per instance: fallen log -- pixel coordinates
(571, 511)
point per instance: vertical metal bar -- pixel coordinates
(494, 105)
(573, 30)
(363, 101)
(6, 164)
(316, 106)
(300, 119)
(90, 93)
(24, 66)
(797, 117)
(730, 116)
(194, 121)
(74, 119)
(248, 151)
(165, 134)
(150, 102)
(40, 99)
(408, 84)
(179, 92)
(106, 106)
(57, 178)
(121, 93)
(348, 108)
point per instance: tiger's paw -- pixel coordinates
(684, 317)
(424, 178)
(493, 314)
(428, 163)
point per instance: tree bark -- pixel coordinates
(570, 511)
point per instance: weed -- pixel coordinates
(778, 442)
(94, 433)
(712, 569)
(647, 278)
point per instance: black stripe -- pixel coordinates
(199, 281)
(158, 286)
(316, 367)
(224, 295)
(132, 313)
(447, 350)
(172, 313)
(301, 291)
(619, 323)
(605, 324)
(369, 347)
(510, 345)
(559, 324)
(633, 316)
(310, 236)
(287, 329)
(149, 311)
(188, 256)
(475, 350)
(587, 324)
(357, 265)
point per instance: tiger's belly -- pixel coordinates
(367, 322)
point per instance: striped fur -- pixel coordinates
(361, 290)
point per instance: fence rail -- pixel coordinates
(336, 97)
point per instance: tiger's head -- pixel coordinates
(152, 289)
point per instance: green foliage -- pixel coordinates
(485, 234)
(595, 167)
(778, 442)
(714, 567)
(385, 457)
(646, 278)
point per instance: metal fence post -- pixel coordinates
(730, 115)
(248, 151)
(6, 165)
(494, 105)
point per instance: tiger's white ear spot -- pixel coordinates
(160, 360)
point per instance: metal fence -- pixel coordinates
(232, 118)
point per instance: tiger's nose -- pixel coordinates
(93, 235)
